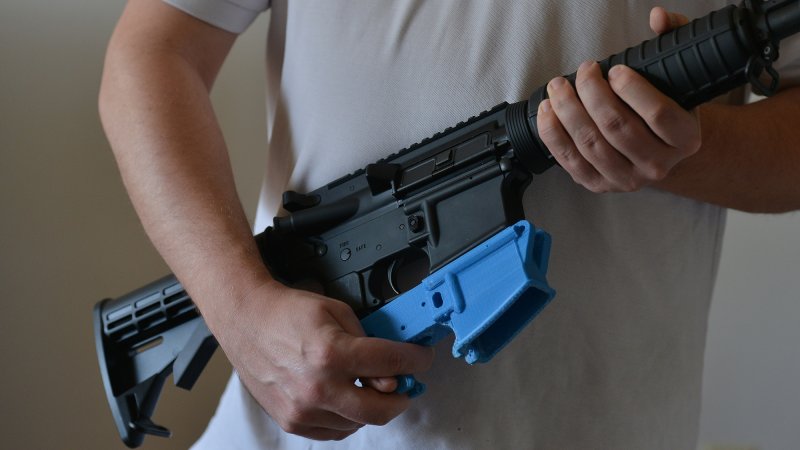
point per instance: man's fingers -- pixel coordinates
(368, 406)
(620, 126)
(564, 151)
(671, 123)
(376, 358)
(305, 416)
(662, 20)
(588, 139)
(298, 421)
(369, 357)
(618, 135)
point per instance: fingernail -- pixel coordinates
(615, 71)
(586, 65)
(544, 106)
(556, 83)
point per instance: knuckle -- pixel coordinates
(631, 184)
(596, 189)
(324, 356)
(614, 123)
(339, 307)
(342, 435)
(693, 143)
(395, 362)
(596, 186)
(382, 421)
(381, 418)
(622, 81)
(587, 139)
(577, 180)
(315, 394)
(579, 177)
(687, 138)
(293, 421)
(661, 115)
(289, 427)
(655, 172)
(564, 153)
(547, 131)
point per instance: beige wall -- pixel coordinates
(68, 237)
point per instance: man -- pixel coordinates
(614, 362)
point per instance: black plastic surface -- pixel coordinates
(139, 338)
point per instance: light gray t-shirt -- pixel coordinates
(615, 361)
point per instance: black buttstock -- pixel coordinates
(140, 339)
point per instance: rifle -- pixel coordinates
(452, 201)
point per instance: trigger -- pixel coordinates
(406, 271)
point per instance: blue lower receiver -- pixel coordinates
(485, 297)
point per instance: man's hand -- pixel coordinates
(620, 134)
(300, 354)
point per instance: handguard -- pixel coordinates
(485, 297)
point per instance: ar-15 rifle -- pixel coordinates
(454, 199)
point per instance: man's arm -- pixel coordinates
(623, 134)
(749, 159)
(298, 353)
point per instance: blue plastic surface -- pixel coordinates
(485, 297)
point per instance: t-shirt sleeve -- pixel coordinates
(231, 15)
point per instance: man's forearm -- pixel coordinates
(158, 117)
(749, 158)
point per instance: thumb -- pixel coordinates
(662, 21)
